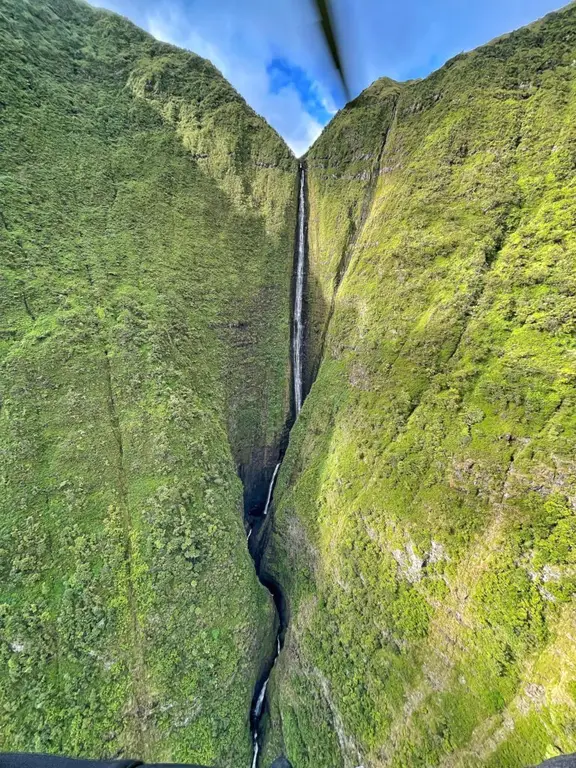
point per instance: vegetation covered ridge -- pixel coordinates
(144, 358)
(425, 515)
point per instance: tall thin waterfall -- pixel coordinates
(259, 699)
(298, 330)
(271, 488)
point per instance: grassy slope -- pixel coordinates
(425, 524)
(146, 228)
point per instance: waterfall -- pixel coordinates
(257, 714)
(271, 488)
(260, 694)
(298, 329)
(258, 520)
(260, 702)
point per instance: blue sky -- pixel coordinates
(273, 53)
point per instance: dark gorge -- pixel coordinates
(258, 525)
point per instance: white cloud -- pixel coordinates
(311, 129)
(403, 40)
(242, 45)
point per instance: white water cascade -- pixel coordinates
(297, 375)
(271, 488)
(298, 330)
(256, 713)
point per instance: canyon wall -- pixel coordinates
(425, 521)
(423, 524)
(146, 248)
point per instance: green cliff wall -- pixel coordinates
(146, 247)
(425, 522)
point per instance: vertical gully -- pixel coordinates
(258, 525)
(298, 329)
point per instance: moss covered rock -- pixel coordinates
(425, 524)
(146, 241)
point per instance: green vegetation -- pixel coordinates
(146, 243)
(425, 520)
(425, 523)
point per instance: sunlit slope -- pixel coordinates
(425, 524)
(146, 242)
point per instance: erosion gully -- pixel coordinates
(258, 523)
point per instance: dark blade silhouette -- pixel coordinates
(328, 30)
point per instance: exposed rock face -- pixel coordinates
(425, 521)
(281, 762)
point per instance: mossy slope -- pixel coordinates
(146, 242)
(425, 522)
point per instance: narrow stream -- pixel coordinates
(256, 543)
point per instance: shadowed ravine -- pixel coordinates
(258, 525)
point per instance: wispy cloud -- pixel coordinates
(271, 53)
(284, 75)
(409, 39)
(274, 55)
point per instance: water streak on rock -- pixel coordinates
(258, 522)
(298, 329)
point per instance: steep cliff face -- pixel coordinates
(424, 527)
(146, 245)
(425, 520)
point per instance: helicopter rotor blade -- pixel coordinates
(328, 30)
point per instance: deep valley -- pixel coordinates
(287, 447)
